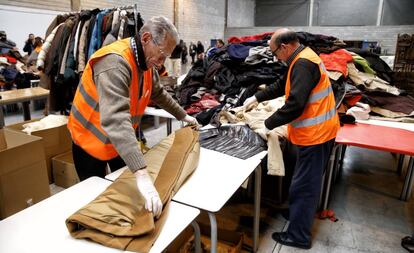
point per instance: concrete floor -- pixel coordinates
(365, 200)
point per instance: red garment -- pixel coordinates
(337, 60)
(10, 59)
(260, 36)
(207, 101)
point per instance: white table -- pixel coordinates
(215, 180)
(160, 113)
(21, 95)
(41, 228)
(212, 184)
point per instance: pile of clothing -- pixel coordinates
(227, 77)
(235, 72)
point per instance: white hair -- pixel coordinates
(159, 26)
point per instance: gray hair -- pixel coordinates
(159, 26)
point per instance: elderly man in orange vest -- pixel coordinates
(313, 122)
(116, 87)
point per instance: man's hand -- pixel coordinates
(192, 121)
(249, 101)
(146, 187)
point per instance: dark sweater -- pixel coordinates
(304, 77)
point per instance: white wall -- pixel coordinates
(200, 20)
(386, 35)
(195, 20)
(240, 13)
(18, 22)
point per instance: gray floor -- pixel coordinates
(365, 200)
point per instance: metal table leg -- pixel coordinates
(257, 193)
(1, 117)
(341, 158)
(329, 172)
(197, 236)
(400, 164)
(408, 183)
(169, 126)
(156, 122)
(213, 236)
(26, 110)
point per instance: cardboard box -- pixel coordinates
(64, 172)
(56, 141)
(227, 241)
(23, 173)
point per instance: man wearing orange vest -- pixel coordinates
(117, 84)
(313, 122)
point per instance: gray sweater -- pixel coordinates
(112, 75)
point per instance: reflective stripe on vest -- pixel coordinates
(86, 124)
(319, 95)
(88, 99)
(315, 120)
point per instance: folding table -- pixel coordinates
(41, 227)
(377, 137)
(160, 113)
(21, 95)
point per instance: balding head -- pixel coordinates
(283, 42)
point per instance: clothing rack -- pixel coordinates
(125, 7)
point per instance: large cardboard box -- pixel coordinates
(64, 172)
(56, 141)
(23, 173)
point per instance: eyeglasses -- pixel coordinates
(277, 49)
(163, 54)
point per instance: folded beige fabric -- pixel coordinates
(117, 217)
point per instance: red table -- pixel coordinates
(376, 137)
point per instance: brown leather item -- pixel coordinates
(117, 217)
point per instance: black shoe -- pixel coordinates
(283, 238)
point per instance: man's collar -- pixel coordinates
(139, 53)
(294, 54)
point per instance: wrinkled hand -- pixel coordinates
(249, 101)
(192, 121)
(263, 132)
(146, 187)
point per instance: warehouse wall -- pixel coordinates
(54, 5)
(240, 13)
(147, 8)
(195, 20)
(281, 12)
(18, 22)
(334, 12)
(201, 20)
(386, 35)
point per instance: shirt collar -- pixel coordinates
(139, 53)
(294, 54)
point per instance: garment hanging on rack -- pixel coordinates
(72, 38)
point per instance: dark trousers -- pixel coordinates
(305, 189)
(88, 166)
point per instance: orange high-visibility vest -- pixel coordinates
(319, 121)
(84, 120)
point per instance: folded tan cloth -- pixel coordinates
(117, 217)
